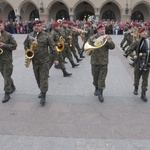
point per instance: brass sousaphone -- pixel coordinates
(98, 43)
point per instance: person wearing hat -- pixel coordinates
(67, 35)
(73, 32)
(55, 36)
(41, 59)
(7, 45)
(140, 70)
(99, 59)
(78, 32)
(87, 34)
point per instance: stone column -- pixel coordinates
(17, 14)
(126, 16)
(97, 17)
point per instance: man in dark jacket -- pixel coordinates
(7, 45)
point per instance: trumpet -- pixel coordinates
(70, 40)
(61, 45)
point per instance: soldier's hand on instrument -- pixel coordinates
(59, 45)
(56, 62)
(70, 37)
(135, 57)
(2, 44)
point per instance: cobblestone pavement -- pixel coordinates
(73, 118)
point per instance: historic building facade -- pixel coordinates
(117, 10)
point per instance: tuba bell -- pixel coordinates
(61, 45)
(98, 43)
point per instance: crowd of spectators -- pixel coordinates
(25, 27)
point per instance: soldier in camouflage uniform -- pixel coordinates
(67, 35)
(55, 36)
(41, 59)
(138, 72)
(7, 45)
(73, 50)
(99, 61)
(87, 34)
(76, 34)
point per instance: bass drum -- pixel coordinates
(143, 53)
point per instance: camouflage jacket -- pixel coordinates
(44, 48)
(100, 55)
(10, 45)
(65, 33)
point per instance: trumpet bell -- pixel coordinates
(60, 47)
(1, 51)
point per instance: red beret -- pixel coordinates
(1, 21)
(88, 23)
(135, 24)
(75, 25)
(70, 23)
(37, 22)
(64, 22)
(143, 29)
(100, 26)
(55, 24)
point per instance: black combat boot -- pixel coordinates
(13, 89)
(73, 64)
(65, 73)
(132, 64)
(96, 92)
(100, 96)
(81, 55)
(6, 97)
(39, 96)
(43, 96)
(143, 96)
(135, 92)
(78, 60)
(57, 66)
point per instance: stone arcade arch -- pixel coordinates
(58, 10)
(28, 11)
(140, 12)
(83, 11)
(110, 12)
(7, 12)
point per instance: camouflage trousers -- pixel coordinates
(6, 70)
(41, 72)
(138, 74)
(99, 73)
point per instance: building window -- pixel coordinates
(108, 15)
(34, 14)
(62, 14)
(137, 16)
(11, 16)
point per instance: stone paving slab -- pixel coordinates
(73, 118)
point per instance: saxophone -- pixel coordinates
(1, 38)
(70, 40)
(29, 53)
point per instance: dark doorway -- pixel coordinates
(34, 14)
(11, 16)
(62, 14)
(137, 16)
(108, 15)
